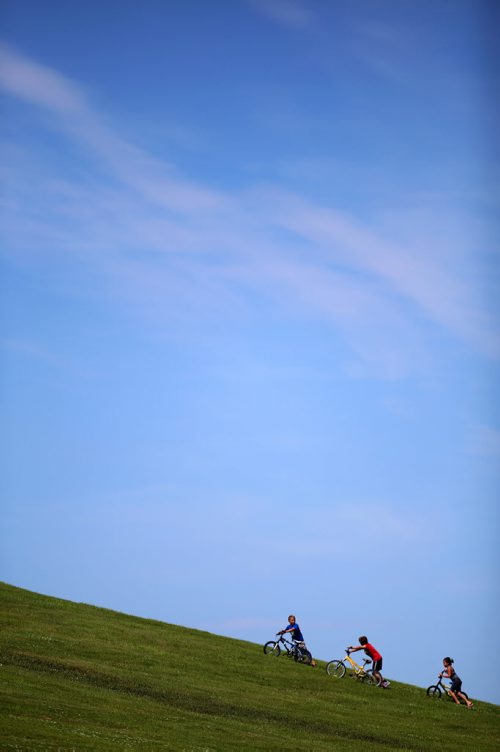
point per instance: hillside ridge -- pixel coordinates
(82, 677)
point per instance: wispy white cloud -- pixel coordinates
(29, 348)
(179, 247)
(347, 533)
(295, 14)
(383, 47)
(38, 84)
(369, 531)
(419, 275)
(35, 351)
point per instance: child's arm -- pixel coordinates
(446, 672)
(352, 648)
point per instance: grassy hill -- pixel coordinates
(76, 677)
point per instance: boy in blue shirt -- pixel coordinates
(293, 630)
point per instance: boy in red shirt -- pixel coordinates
(374, 655)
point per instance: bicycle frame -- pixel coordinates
(359, 671)
(289, 645)
(436, 690)
(294, 649)
(362, 673)
(446, 687)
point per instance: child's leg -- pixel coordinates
(455, 698)
(465, 699)
(377, 673)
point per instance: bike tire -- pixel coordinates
(335, 669)
(304, 656)
(272, 648)
(434, 691)
(370, 678)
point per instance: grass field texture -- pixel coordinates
(76, 677)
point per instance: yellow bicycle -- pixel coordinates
(338, 669)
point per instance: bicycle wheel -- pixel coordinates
(272, 648)
(376, 681)
(369, 678)
(434, 691)
(303, 656)
(336, 669)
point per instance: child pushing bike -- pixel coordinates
(455, 689)
(293, 630)
(297, 648)
(376, 658)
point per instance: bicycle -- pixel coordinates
(292, 648)
(436, 690)
(361, 673)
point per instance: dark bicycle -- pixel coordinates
(292, 648)
(436, 690)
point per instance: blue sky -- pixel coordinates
(249, 323)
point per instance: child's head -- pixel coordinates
(291, 619)
(363, 640)
(447, 661)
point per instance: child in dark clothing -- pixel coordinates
(456, 682)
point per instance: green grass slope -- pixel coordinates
(76, 677)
